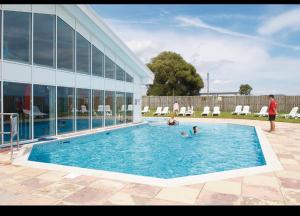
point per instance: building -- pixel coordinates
(63, 70)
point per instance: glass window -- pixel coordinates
(65, 110)
(44, 110)
(120, 73)
(44, 39)
(83, 101)
(120, 107)
(98, 108)
(17, 36)
(83, 53)
(129, 106)
(0, 33)
(65, 45)
(17, 99)
(109, 68)
(109, 108)
(98, 61)
(129, 78)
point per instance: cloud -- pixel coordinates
(230, 61)
(186, 21)
(289, 20)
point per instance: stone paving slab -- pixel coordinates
(21, 185)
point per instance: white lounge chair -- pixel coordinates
(158, 111)
(36, 112)
(83, 109)
(190, 111)
(123, 108)
(182, 111)
(165, 111)
(145, 110)
(129, 107)
(246, 110)
(216, 111)
(297, 116)
(100, 108)
(108, 110)
(292, 114)
(238, 110)
(205, 111)
(262, 112)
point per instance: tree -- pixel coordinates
(245, 89)
(173, 73)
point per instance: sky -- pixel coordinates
(236, 44)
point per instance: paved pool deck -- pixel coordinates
(21, 185)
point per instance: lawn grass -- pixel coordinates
(197, 114)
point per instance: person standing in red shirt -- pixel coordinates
(272, 110)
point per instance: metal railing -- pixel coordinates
(14, 130)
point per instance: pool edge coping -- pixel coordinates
(272, 164)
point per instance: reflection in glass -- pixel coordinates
(65, 110)
(120, 73)
(65, 45)
(17, 99)
(129, 106)
(98, 62)
(44, 109)
(17, 36)
(82, 55)
(109, 68)
(120, 107)
(98, 108)
(83, 101)
(109, 108)
(44, 40)
(129, 78)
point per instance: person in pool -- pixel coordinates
(172, 120)
(192, 132)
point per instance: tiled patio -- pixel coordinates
(23, 185)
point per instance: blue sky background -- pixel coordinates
(255, 44)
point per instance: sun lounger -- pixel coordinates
(205, 111)
(165, 111)
(246, 110)
(190, 111)
(182, 111)
(263, 112)
(129, 107)
(36, 112)
(158, 111)
(216, 111)
(83, 109)
(108, 110)
(292, 114)
(238, 110)
(145, 110)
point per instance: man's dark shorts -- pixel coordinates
(272, 117)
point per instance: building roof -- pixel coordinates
(112, 41)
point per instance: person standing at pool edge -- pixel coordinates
(176, 107)
(272, 110)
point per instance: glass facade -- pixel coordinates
(120, 74)
(65, 46)
(97, 62)
(109, 109)
(98, 108)
(129, 107)
(120, 107)
(31, 38)
(83, 101)
(83, 55)
(17, 99)
(110, 68)
(17, 36)
(44, 39)
(44, 110)
(65, 110)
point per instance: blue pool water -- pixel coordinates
(158, 150)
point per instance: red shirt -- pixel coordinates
(272, 107)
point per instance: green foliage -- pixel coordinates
(245, 89)
(173, 72)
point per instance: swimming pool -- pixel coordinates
(158, 150)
